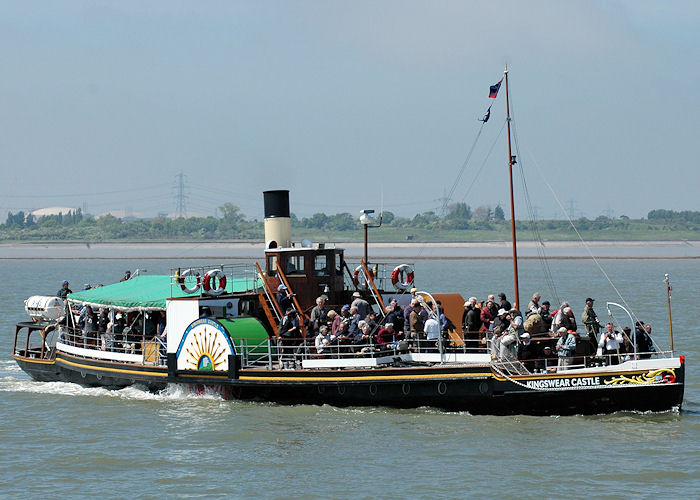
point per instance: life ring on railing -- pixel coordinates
(209, 280)
(181, 280)
(356, 277)
(398, 280)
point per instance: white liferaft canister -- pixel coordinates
(44, 307)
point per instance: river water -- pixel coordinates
(63, 440)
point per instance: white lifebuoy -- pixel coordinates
(398, 280)
(209, 281)
(181, 280)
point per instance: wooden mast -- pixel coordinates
(511, 162)
(670, 323)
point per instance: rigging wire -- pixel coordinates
(534, 223)
(583, 242)
(483, 164)
(461, 170)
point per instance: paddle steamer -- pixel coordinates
(223, 335)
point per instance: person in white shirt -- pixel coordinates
(432, 331)
(610, 343)
(322, 341)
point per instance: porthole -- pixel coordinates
(373, 389)
(321, 389)
(442, 388)
(484, 388)
(406, 388)
(341, 389)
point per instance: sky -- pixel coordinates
(349, 105)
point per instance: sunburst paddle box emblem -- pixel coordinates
(205, 346)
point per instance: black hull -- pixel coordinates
(92, 373)
(461, 396)
(453, 389)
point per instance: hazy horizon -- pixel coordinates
(348, 105)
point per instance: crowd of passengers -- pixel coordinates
(108, 329)
(506, 332)
(356, 328)
(509, 333)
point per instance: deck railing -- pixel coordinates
(239, 277)
(283, 353)
(509, 364)
(381, 275)
(125, 346)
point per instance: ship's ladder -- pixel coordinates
(302, 317)
(372, 287)
(268, 300)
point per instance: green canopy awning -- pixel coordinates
(149, 292)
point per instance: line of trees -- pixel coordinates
(688, 216)
(233, 224)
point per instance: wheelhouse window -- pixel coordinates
(321, 265)
(338, 264)
(295, 264)
(272, 265)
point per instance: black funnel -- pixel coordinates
(276, 203)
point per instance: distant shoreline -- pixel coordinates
(383, 250)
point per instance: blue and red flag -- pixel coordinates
(493, 90)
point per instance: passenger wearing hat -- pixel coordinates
(472, 321)
(546, 316)
(360, 304)
(527, 352)
(127, 275)
(64, 290)
(502, 320)
(547, 359)
(284, 298)
(590, 321)
(345, 316)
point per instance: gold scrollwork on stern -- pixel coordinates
(662, 376)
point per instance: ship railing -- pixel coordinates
(273, 354)
(381, 275)
(34, 341)
(258, 355)
(128, 347)
(506, 363)
(191, 280)
(292, 351)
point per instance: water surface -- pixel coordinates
(63, 440)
